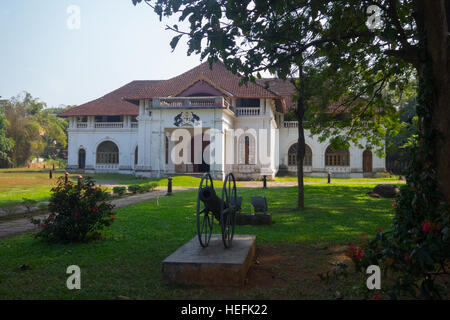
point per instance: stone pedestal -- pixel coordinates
(214, 265)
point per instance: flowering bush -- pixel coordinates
(417, 250)
(77, 212)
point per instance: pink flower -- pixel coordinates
(406, 257)
(376, 297)
(359, 254)
(427, 226)
(95, 209)
(350, 251)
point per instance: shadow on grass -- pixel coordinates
(128, 260)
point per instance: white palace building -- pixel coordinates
(230, 128)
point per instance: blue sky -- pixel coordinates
(116, 43)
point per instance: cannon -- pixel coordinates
(210, 207)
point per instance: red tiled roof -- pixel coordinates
(284, 88)
(112, 104)
(222, 78)
(123, 100)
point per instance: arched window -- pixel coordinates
(108, 152)
(337, 157)
(136, 155)
(292, 156)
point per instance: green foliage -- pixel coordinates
(32, 130)
(134, 188)
(120, 190)
(6, 144)
(77, 212)
(398, 145)
(150, 186)
(417, 250)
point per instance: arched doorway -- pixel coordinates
(367, 161)
(81, 159)
(107, 153)
(292, 156)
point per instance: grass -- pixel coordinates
(35, 184)
(15, 185)
(128, 260)
(333, 179)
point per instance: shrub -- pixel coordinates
(77, 212)
(134, 188)
(149, 186)
(120, 190)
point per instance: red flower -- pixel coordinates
(427, 226)
(365, 236)
(376, 297)
(379, 230)
(359, 254)
(43, 225)
(112, 218)
(350, 251)
(95, 209)
(406, 257)
(76, 216)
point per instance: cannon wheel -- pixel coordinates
(228, 210)
(205, 219)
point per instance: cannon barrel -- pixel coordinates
(209, 197)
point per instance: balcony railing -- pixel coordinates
(107, 166)
(108, 125)
(193, 102)
(291, 124)
(247, 112)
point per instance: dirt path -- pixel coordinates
(21, 225)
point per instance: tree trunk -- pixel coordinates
(436, 28)
(301, 139)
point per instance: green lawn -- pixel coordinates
(333, 179)
(36, 185)
(128, 260)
